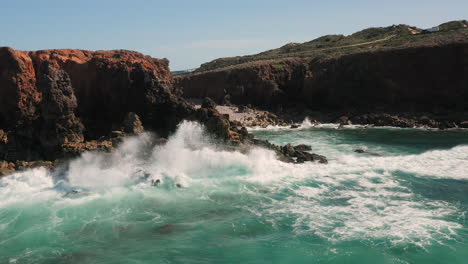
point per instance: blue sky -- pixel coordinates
(189, 33)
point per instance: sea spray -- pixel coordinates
(232, 202)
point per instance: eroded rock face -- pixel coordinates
(422, 80)
(132, 124)
(57, 110)
(59, 102)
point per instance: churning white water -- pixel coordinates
(379, 199)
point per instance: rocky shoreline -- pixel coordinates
(57, 104)
(230, 124)
(249, 116)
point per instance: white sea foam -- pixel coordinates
(306, 124)
(349, 198)
(27, 186)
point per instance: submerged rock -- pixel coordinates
(359, 151)
(166, 229)
(362, 151)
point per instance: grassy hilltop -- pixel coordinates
(371, 39)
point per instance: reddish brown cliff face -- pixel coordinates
(100, 80)
(412, 79)
(53, 101)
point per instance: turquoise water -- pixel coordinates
(406, 205)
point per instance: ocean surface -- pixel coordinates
(404, 201)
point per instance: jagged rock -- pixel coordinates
(60, 124)
(300, 155)
(132, 124)
(44, 92)
(303, 147)
(208, 103)
(6, 168)
(242, 109)
(215, 123)
(21, 165)
(344, 120)
(294, 126)
(3, 137)
(74, 149)
(289, 153)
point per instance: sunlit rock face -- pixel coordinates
(56, 101)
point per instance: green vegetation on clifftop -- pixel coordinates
(371, 39)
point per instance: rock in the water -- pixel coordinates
(294, 126)
(292, 154)
(303, 147)
(166, 229)
(361, 151)
(6, 168)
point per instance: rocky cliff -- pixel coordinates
(58, 103)
(430, 79)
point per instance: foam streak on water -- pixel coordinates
(408, 201)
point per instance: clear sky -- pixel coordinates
(189, 33)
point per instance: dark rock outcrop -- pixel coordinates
(214, 122)
(6, 168)
(362, 151)
(292, 154)
(132, 124)
(208, 103)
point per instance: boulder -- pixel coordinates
(208, 103)
(214, 122)
(242, 109)
(303, 147)
(291, 154)
(362, 151)
(344, 120)
(6, 168)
